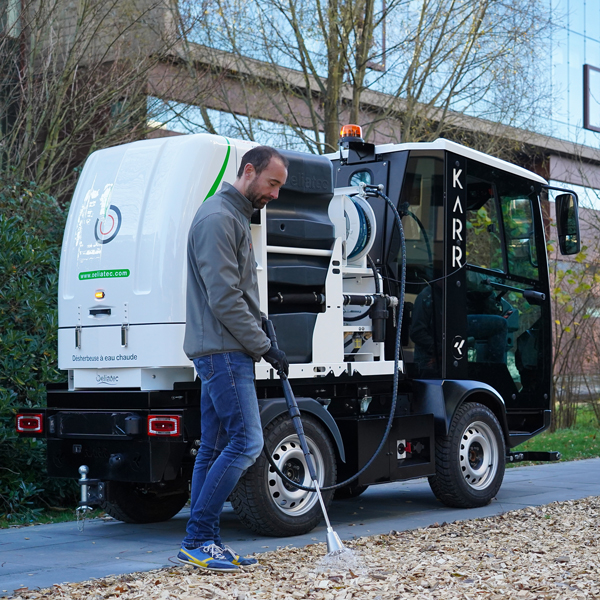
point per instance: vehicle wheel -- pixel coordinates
(145, 503)
(267, 505)
(352, 490)
(470, 459)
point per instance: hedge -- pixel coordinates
(31, 227)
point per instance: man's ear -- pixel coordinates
(249, 171)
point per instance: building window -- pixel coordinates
(591, 97)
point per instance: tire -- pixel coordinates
(264, 503)
(352, 490)
(145, 503)
(470, 460)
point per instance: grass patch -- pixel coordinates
(575, 443)
(50, 515)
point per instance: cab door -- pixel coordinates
(505, 292)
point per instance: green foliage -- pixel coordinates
(574, 285)
(31, 226)
(484, 248)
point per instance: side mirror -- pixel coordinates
(567, 223)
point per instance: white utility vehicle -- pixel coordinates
(475, 369)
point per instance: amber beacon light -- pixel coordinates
(351, 132)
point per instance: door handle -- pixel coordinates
(94, 312)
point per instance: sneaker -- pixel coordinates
(235, 559)
(209, 557)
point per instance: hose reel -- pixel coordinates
(361, 227)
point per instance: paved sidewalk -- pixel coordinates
(43, 555)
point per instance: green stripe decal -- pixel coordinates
(219, 178)
(104, 274)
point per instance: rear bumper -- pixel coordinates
(114, 440)
(138, 461)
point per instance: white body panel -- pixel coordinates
(126, 235)
(129, 377)
(156, 345)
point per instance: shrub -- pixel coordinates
(31, 226)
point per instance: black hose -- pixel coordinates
(375, 191)
(373, 266)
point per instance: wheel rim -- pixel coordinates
(290, 461)
(478, 455)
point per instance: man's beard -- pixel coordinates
(255, 198)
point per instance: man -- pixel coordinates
(224, 337)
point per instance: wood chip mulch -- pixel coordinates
(547, 552)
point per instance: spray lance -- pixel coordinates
(334, 544)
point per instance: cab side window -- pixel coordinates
(484, 238)
(520, 235)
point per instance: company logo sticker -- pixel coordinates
(107, 379)
(108, 226)
(457, 347)
(104, 274)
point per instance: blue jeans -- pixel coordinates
(231, 440)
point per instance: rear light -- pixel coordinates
(164, 425)
(30, 423)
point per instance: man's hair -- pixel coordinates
(259, 158)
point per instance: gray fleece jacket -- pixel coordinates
(222, 303)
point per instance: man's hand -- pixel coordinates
(277, 359)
